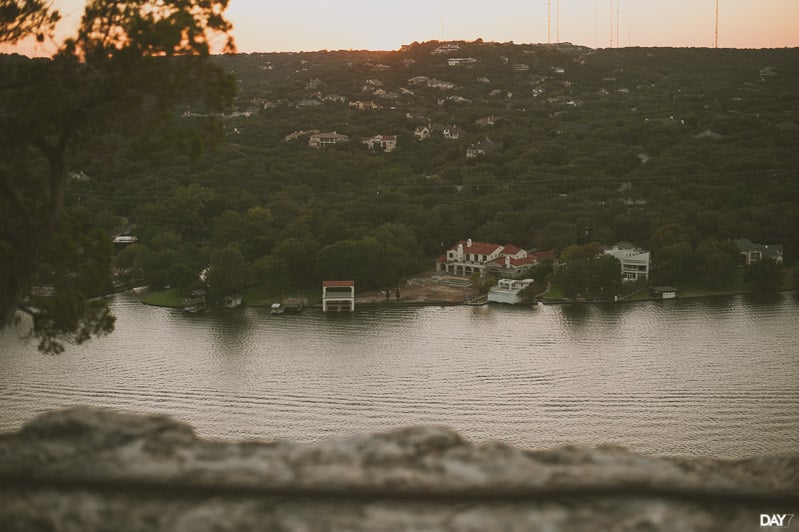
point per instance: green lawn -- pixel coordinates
(164, 298)
(257, 295)
(737, 286)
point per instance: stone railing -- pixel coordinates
(85, 469)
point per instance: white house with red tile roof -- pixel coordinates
(512, 265)
(467, 257)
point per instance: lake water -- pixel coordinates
(715, 377)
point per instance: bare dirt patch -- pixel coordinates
(424, 288)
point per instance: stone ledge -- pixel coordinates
(88, 469)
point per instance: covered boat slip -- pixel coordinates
(338, 296)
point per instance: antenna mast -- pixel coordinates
(717, 23)
(618, 7)
(611, 23)
(549, 21)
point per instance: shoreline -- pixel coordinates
(425, 290)
(450, 303)
(560, 301)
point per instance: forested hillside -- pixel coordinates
(596, 145)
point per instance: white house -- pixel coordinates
(508, 291)
(446, 48)
(467, 257)
(421, 132)
(634, 261)
(513, 261)
(449, 132)
(457, 61)
(364, 106)
(320, 140)
(385, 142)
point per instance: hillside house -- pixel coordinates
(458, 99)
(482, 148)
(364, 106)
(458, 61)
(320, 140)
(634, 261)
(467, 257)
(450, 132)
(301, 133)
(446, 48)
(421, 132)
(419, 80)
(751, 252)
(387, 143)
(438, 84)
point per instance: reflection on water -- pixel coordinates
(688, 377)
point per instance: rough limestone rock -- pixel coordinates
(85, 469)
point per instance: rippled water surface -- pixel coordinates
(717, 377)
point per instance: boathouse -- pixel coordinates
(338, 296)
(508, 291)
(663, 292)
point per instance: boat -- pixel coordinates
(294, 304)
(194, 308)
(194, 303)
(277, 308)
(476, 301)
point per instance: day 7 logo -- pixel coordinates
(775, 520)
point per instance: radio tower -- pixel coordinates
(611, 23)
(549, 21)
(717, 24)
(618, 7)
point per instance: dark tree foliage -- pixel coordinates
(765, 275)
(588, 272)
(128, 69)
(25, 18)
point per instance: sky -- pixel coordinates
(275, 26)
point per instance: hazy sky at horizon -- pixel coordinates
(268, 26)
